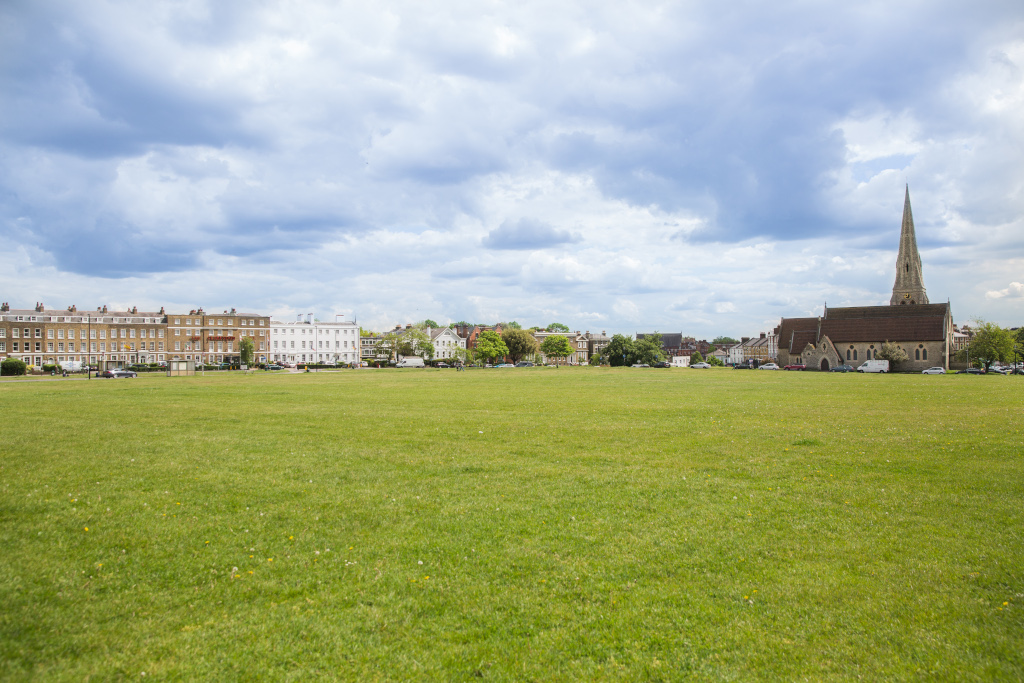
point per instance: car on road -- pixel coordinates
(998, 369)
(795, 366)
(769, 366)
(118, 373)
(662, 364)
(524, 364)
(970, 371)
(641, 365)
(843, 368)
(275, 366)
(934, 371)
(701, 366)
(741, 366)
(881, 366)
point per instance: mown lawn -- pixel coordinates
(526, 524)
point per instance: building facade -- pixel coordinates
(206, 337)
(71, 338)
(313, 341)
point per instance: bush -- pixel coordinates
(11, 367)
(49, 367)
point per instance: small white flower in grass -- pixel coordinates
(481, 432)
(420, 562)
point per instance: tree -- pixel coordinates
(514, 326)
(714, 361)
(520, 343)
(556, 346)
(13, 366)
(430, 323)
(247, 350)
(695, 357)
(462, 323)
(990, 343)
(558, 327)
(648, 350)
(892, 353)
(416, 342)
(725, 340)
(388, 346)
(489, 346)
(620, 351)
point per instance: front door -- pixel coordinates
(824, 364)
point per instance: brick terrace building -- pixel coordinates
(102, 337)
(214, 338)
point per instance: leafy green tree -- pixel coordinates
(490, 347)
(695, 357)
(463, 323)
(430, 323)
(416, 342)
(556, 346)
(520, 343)
(388, 346)
(620, 351)
(648, 350)
(13, 366)
(558, 327)
(715, 361)
(247, 350)
(892, 353)
(990, 343)
(725, 340)
(514, 325)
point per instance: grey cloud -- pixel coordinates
(528, 233)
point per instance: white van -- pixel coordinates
(874, 366)
(411, 362)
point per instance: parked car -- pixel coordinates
(843, 368)
(769, 366)
(874, 366)
(524, 364)
(641, 365)
(795, 366)
(999, 370)
(118, 373)
(662, 364)
(934, 371)
(741, 366)
(275, 366)
(1018, 371)
(701, 366)
(970, 371)
(411, 362)
(442, 364)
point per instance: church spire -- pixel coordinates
(909, 285)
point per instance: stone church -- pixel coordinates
(855, 334)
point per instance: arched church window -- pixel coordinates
(855, 354)
(924, 354)
(917, 354)
(847, 354)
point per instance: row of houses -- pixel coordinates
(114, 338)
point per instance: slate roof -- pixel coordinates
(790, 327)
(920, 322)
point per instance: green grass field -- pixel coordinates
(527, 524)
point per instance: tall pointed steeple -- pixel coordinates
(909, 286)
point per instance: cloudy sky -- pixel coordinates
(702, 167)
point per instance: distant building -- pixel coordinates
(313, 341)
(853, 335)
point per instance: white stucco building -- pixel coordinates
(446, 343)
(314, 341)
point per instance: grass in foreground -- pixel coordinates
(519, 525)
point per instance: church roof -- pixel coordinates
(917, 310)
(921, 322)
(790, 327)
